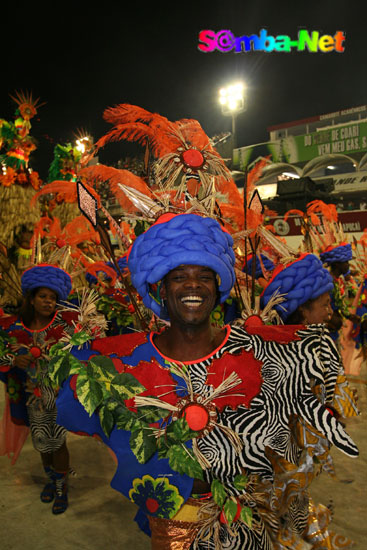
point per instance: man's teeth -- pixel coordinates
(192, 300)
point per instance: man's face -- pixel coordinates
(190, 292)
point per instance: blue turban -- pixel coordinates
(49, 276)
(185, 239)
(342, 253)
(303, 280)
(267, 263)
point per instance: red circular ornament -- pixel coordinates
(60, 243)
(152, 505)
(196, 416)
(253, 321)
(131, 308)
(36, 352)
(192, 158)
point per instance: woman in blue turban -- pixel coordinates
(24, 369)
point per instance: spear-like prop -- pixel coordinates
(89, 207)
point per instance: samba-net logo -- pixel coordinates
(225, 41)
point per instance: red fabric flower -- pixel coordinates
(249, 371)
(157, 380)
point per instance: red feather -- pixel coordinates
(67, 189)
(293, 212)
(102, 173)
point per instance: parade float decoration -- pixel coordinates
(18, 182)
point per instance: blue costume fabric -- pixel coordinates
(342, 253)
(302, 280)
(47, 275)
(182, 239)
(275, 366)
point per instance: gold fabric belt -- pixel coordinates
(179, 532)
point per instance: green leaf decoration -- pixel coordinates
(102, 366)
(180, 431)
(89, 393)
(230, 510)
(143, 444)
(76, 366)
(114, 310)
(125, 386)
(107, 419)
(219, 493)
(112, 405)
(240, 481)
(79, 338)
(56, 349)
(246, 516)
(150, 414)
(126, 419)
(59, 368)
(182, 461)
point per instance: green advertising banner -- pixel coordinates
(348, 139)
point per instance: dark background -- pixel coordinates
(80, 58)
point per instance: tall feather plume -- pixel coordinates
(136, 124)
(127, 113)
(327, 211)
(101, 173)
(193, 133)
(67, 189)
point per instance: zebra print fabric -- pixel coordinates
(47, 436)
(288, 372)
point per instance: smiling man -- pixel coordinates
(190, 293)
(191, 433)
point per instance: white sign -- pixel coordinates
(350, 182)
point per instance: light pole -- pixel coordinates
(232, 100)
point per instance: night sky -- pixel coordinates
(80, 58)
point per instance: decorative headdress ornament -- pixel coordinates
(108, 269)
(326, 233)
(50, 276)
(181, 148)
(177, 240)
(340, 253)
(299, 281)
